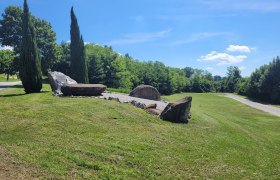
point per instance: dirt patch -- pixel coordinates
(10, 168)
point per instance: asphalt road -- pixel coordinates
(4, 85)
(266, 108)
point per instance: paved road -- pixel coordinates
(4, 85)
(266, 108)
(125, 98)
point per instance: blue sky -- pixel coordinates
(205, 34)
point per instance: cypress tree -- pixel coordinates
(30, 62)
(79, 70)
(83, 61)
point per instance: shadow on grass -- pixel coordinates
(12, 95)
(22, 94)
(16, 86)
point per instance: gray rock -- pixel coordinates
(57, 80)
(83, 89)
(114, 99)
(152, 111)
(178, 112)
(145, 92)
(151, 106)
(138, 104)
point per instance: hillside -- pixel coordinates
(50, 137)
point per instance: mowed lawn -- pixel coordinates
(3, 78)
(42, 136)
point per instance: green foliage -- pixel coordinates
(79, 69)
(217, 78)
(11, 35)
(264, 83)
(242, 87)
(272, 81)
(189, 71)
(200, 84)
(46, 42)
(120, 74)
(100, 64)
(63, 58)
(7, 59)
(11, 28)
(117, 71)
(201, 81)
(124, 72)
(84, 70)
(30, 63)
(178, 81)
(107, 58)
(233, 78)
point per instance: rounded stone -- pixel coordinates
(145, 92)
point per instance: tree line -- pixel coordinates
(122, 71)
(104, 65)
(263, 84)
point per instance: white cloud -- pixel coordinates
(209, 68)
(199, 36)
(241, 68)
(135, 38)
(238, 48)
(6, 48)
(223, 58)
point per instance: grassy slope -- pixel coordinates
(87, 138)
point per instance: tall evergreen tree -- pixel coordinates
(79, 70)
(30, 63)
(84, 62)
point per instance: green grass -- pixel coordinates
(124, 91)
(3, 78)
(51, 137)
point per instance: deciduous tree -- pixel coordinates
(7, 58)
(11, 35)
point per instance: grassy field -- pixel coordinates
(3, 78)
(42, 136)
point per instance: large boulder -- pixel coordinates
(178, 112)
(146, 92)
(57, 80)
(83, 89)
